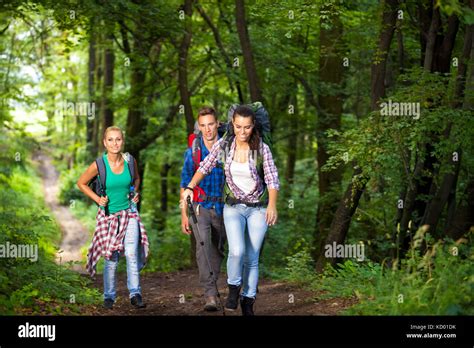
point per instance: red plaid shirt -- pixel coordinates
(109, 235)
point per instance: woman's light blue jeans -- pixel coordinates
(131, 245)
(244, 245)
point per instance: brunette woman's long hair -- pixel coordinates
(254, 141)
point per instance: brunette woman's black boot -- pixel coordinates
(233, 297)
(246, 304)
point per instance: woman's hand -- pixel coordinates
(103, 201)
(136, 199)
(271, 216)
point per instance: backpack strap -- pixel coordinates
(100, 163)
(196, 151)
(131, 166)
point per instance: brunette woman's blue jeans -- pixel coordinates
(244, 245)
(131, 245)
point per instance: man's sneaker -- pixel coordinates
(108, 303)
(233, 297)
(136, 301)
(246, 304)
(211, 304)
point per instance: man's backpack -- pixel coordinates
(226, 131)
(97, 184)
(194, 142)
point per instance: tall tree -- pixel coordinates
(91, 151)
(184, 91)
(247, 52)
(349, 202)
(439, 46)
(447, 190)
(329, 117)
(109, 62)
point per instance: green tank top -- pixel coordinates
(117, 187)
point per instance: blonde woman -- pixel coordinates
(119, 228)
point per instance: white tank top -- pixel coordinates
(242, 177)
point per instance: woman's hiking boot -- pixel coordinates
(233, 297)
(246, 304)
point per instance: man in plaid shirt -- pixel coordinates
(208, 206)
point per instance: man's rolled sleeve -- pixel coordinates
(188, 169)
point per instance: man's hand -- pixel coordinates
(185, 224)
(187, 193)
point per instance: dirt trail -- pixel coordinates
(179, 293)
(175, 293)
(75, 235)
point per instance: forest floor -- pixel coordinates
(176, 293)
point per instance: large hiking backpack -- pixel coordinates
(226, 131)
(97, 184)
(263, 127)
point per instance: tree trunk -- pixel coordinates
(464, 217)
(184, 91)
(348, 204)
(252, 77)
(447, 191)
(183, 68)
(292, 142)
(109, 62)
(91, 151)
(135, 122)
(442, 60)
(438, 52)
(379, 63)
(400, 48)
(342, 218)
(431, 39)
(329, 117)
(425, 8)
(97, 133)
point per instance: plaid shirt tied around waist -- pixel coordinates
(109, 235)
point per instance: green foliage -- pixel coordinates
(300, 267)
(39, 286)
(169, 248)
(69, 193)
(46, 49)
(435, 280)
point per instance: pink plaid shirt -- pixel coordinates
(109, 235)
(269, 169)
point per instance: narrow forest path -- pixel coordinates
(74, 234)
(176, 293)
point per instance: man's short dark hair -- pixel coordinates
(207, 110)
